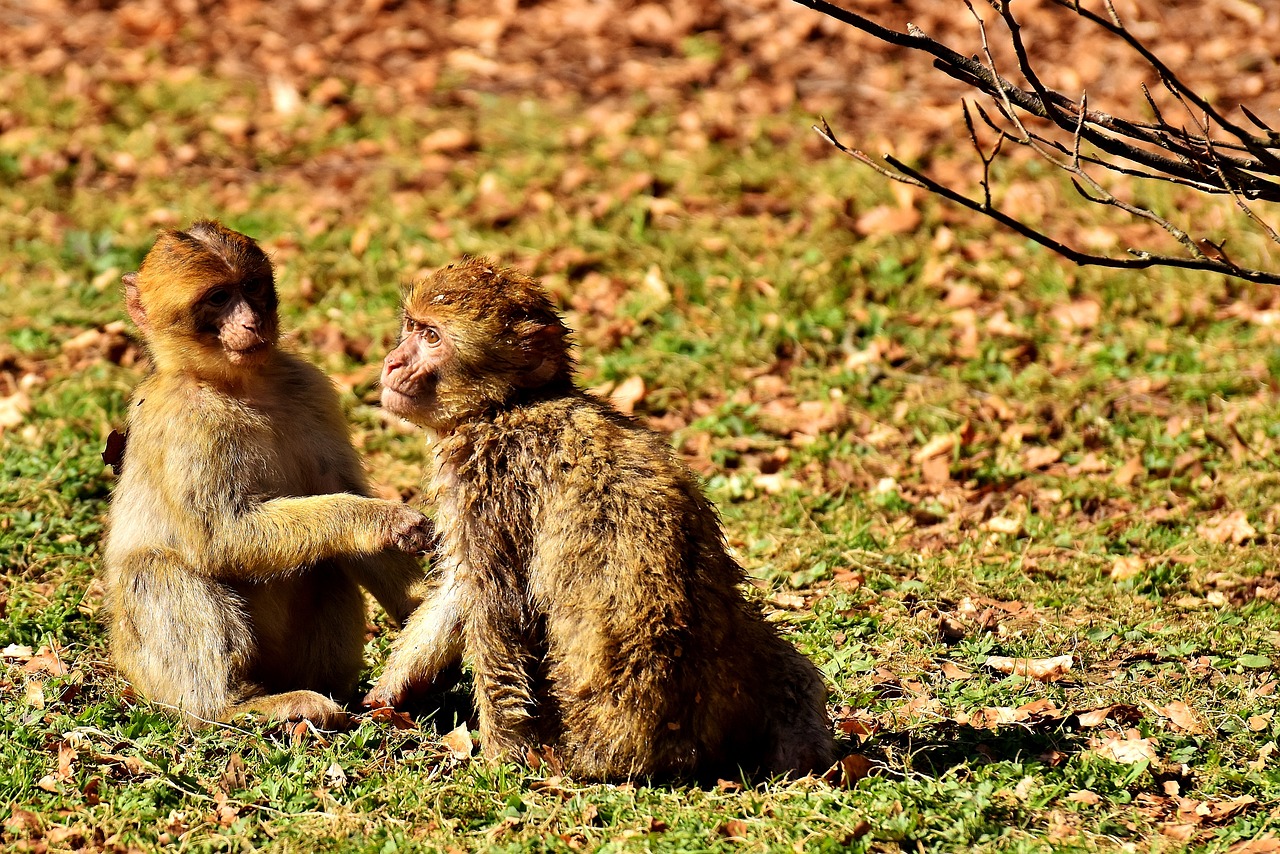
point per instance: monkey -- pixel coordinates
(241, 528)
(582, 571)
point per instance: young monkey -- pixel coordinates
(241, 527)
(582, 571)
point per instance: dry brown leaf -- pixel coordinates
(627, 394)
(937, 446)
(1126, 749)
(1126, 473)
(884, 219)
(46, 660)
(1233, 528)
(849, 770)
(1267, 844)
(1003, 525)
(1038, 457)
(936, 471)
(335, 777)
(18, 651)
(1182, 717)
(458, 742)
(446, 139)
(1080, 314)
(735, 830)
(234, 776)
(954, 671)
(397, 719)
(14, 409)
(1264, 753)
(1039, 669)
(1084, 796)
(1125, 568)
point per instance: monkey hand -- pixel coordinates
(409, 531)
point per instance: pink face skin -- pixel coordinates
(241, 333)
(410, 371)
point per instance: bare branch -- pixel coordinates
(1212, 155)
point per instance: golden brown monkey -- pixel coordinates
(241, 527)
(582, 571)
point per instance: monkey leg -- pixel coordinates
(502, 665)
(322, 711)
(393, 578)
(310, 631)
(213, 651)
(797, 729)
(430, 643)
(179, 638)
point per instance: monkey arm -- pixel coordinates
(430, 642)
(279, 535)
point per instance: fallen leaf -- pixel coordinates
(1126, 750)
(1182, 717)
(1126, 473)
(1083, 796)
(1267, 844)
(386, 714)
(885, 219)
(848, 771)
(1120, 712)
(1080, 314)
(446, 139)
(735, 830)
(46, 661)
(953, 671)
(627, 394)
(936, 471)
(1233, 528)
(1125, 568)
(234, 776)
(1003, 525)
(335, 777)
(1264, 753)
(18, 651)
(14, 409)
(458, 742)
(1038, 457)
(1040, 669)
(935, 447)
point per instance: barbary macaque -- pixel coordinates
(241, 529)
(581, 570)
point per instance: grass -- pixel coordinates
(802, 367)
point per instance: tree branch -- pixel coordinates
(1236, 162)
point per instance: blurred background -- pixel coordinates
(930, 439)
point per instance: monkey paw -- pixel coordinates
(383, 696)
(410, 531)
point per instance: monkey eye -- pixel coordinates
(218, 297)
(431, 335)
(253, 287)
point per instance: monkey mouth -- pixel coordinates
(245, 354)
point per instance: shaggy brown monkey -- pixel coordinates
(582, 571)
(241, 525)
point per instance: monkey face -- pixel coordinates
(411, 372)
(205, 299)
(238, 318)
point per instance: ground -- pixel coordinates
(935, 446)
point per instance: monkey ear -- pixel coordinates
(133, 301)
(548, 351)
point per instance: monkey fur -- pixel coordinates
(583, 573)
(241, 529)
